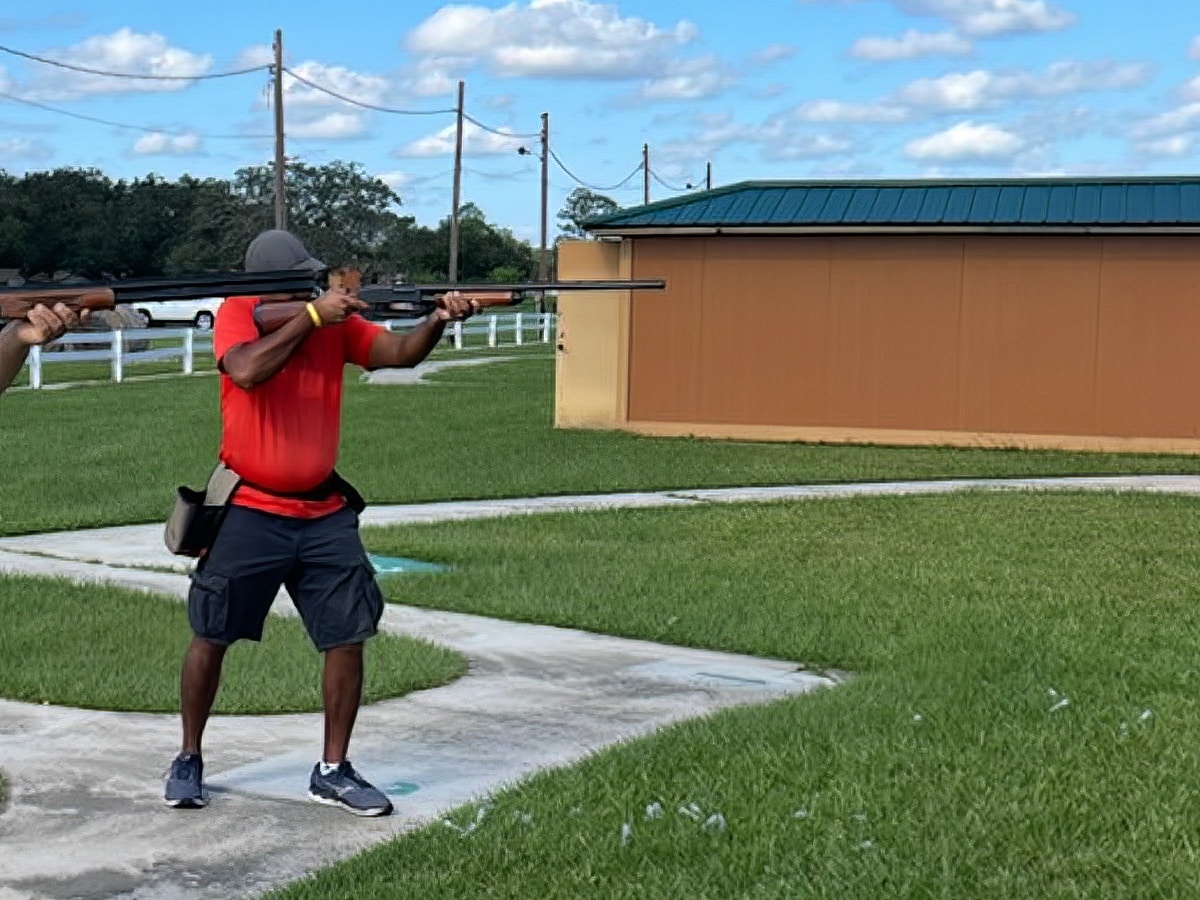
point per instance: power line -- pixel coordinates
(376, 107)
(111, 124)
(106, 74)
(594, 187)
(512, 134)
(670, 187)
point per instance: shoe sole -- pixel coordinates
(373, 811)
(188, 803)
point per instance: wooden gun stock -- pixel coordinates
(16, 304)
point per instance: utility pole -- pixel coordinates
(280, 199)
(645, 173)
(542, 275)
(458, 144)
(708, 176)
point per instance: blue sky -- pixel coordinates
(762, 89)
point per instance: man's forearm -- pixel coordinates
(254, 362)
(12, 354)
(408, 349)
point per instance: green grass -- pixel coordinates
(941, 769)
(101, 647)
(112, 454)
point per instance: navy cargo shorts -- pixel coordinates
(321, 562)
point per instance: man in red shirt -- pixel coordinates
(290, 523)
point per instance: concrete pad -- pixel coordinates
(416, 375)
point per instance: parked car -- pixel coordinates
(198, 313)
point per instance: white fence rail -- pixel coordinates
(117, 350)
(497, 329)
(490, 331)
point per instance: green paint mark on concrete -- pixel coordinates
(395, 565)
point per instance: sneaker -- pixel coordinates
(185, 789)
(346, 788)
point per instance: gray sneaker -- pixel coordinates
(185, 786)
(346, 788)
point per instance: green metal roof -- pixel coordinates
(1000, 204)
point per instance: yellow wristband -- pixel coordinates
(314, 315)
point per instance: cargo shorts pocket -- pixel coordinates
(366, 599)
(351, 608)
(208, 605)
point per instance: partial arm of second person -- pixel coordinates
(40, 327)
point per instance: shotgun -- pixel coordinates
(416, 300)
(286, 292)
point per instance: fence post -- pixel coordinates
(491, 331)
(117, 359)
(544, 327)
(458, 334)
(188, 350)
(518, 329)
(35, 367)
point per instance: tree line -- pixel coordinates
(82, 223)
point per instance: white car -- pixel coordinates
(197, 313)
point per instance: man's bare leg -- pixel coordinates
(341, 689)
(198, 685)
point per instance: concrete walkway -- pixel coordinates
(86, 817)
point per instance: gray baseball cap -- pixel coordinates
(278, 249)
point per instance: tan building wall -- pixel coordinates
(591, 369)
(1085, 342)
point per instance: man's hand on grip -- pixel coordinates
(454, 307)
(336, 306)
(43, 324)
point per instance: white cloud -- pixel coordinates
(1176, 145)
(807, 146)
(551, 38)
(476, 142)
(986, 18)
(980, 89)
(839, 111)
(910, 45)
(1183, 118)
(25, 149)
(123, 51)
(990, 18)
(434, 77)
(355, 85)
(332, 126)
(958, 90)
(773, 53)
(1191, 90)
(255, 55)
(396, 179)
(693, 79)
(965, 141)
(161, 144)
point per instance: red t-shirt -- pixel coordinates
(283, 434)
